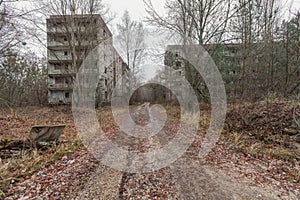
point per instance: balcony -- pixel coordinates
(60, 87)
(59, 58)
(60, 72)
(66, 43)
(231, 52)
(57, 44)
(65, 30)
(57, 30)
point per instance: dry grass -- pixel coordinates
(15, 126)
(18, 169)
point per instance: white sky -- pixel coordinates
(136, 8)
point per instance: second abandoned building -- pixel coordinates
(70, 38)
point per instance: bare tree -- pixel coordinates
(253, 27)
(290, 32)
(11, 34)
(73, 16)
(131, 40)
(204, 21)
(23, 79)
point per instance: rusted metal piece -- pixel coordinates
(45, 133)
(40, 137)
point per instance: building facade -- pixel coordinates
(70, 38)
(230, 53)
(229, 61)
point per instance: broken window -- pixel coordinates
(65, 67)
(59, 80)
(57, 66)
(233, 72)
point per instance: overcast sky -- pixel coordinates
(137, 12)
(136, 8)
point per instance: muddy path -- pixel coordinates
(189, 177)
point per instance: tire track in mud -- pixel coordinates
(155, 185)
(187, 178)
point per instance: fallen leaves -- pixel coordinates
(53, 174)
(56, 180)
(270, 117)
(260, 128)
(261, 170)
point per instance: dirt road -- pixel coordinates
(189, 177)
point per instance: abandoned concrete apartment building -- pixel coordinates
(88, 31)
(174, 59)
(231, 54)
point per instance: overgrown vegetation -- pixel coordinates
(23, 80)
(16, 126)
(266, 130)
(263, 129)
(261, 65)
(18, 169)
